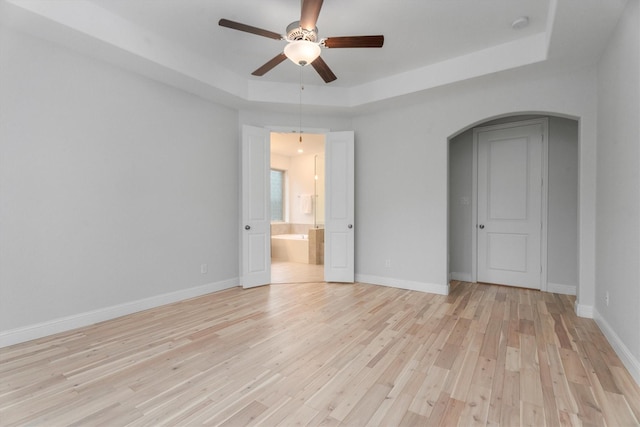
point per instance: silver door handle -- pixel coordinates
(481, 226)
(350, 226)
(247, 227)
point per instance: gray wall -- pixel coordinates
(562, 232)
(460, 207)
(562, 202)
(113, 188)
(402, 171)
(618, 188)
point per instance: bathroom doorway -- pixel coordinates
(297, 183)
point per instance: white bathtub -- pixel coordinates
(290, 247)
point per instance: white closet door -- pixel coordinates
(509, 219)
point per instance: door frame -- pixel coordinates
(270, 129)
(544, 122)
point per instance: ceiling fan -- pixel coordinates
(303, 45)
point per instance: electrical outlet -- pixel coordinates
(203, 269)
(606, 297)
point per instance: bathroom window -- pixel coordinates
(277, 195)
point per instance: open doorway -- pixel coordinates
(297, 182)
(339, 210)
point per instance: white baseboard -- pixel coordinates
(462, 277)
(39, 330)
(404, 284)
(628, 359)
(583, 310)
(558, 288)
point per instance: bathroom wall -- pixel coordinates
(299, 180)
(301, 183)
(280, 162)
(320, 189)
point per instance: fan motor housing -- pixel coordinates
(296, 32)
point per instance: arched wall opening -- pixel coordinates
(562, 202)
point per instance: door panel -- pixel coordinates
(508, 184)
(338, 250)
(509, 214)
(339, 208)
(256, 217)
(507, 252)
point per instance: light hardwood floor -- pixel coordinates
(327, 354)
(295, 272)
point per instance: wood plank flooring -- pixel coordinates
(295, 272)
(327, 354)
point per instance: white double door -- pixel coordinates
(256, 205)
(511, 204)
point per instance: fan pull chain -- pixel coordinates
(300, 106)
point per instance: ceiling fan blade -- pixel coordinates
(323, 69)
(249, 29)
(354, 41)
(310, 13)
(270, 65)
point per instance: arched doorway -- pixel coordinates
(561, 211)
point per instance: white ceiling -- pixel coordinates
(417, 32)
(428, 43)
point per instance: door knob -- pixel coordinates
(481, 226)
(350, 226)
(247, 227)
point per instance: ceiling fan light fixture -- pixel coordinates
(304, 46)
(302, 52)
